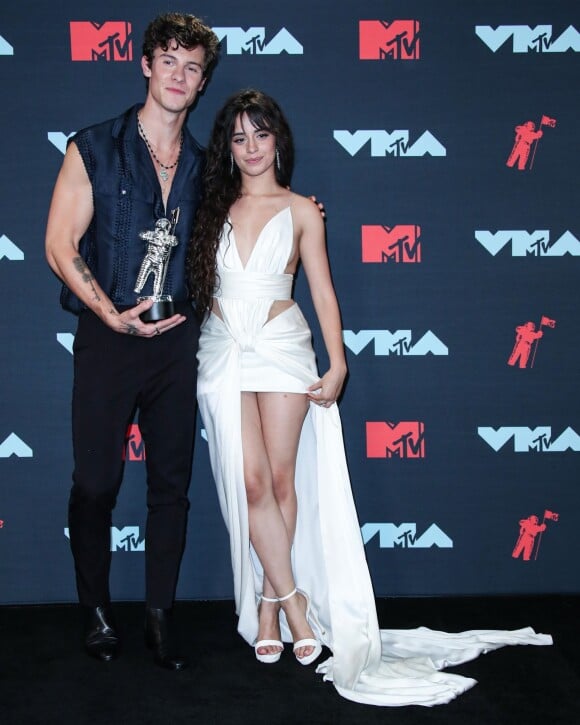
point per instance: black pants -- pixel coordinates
(115, 374)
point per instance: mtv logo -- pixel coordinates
(9, 250)
(525, 439)
(5, 47)
(405, 439)
(127, 539)
(404, 536)
(394, 343)
(399, 244)
(528, 244)
(526, 39)
(253, 42)
(59, 139)
(15, 446)
(393, 143)
(108, 41)
(134, 449)
(395, 40)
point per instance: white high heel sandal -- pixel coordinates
(271, 658)
(308, 641)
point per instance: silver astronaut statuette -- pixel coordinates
(160, 241)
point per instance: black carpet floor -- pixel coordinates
(45, 677)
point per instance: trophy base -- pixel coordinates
(161, 309)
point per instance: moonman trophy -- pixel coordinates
(160, 242)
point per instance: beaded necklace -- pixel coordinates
(164, 168)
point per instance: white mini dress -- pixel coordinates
(243, 350)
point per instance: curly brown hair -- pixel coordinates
(186, 30)
(222, 184)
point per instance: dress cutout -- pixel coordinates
(243, 350)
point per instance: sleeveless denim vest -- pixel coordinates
(127, 200)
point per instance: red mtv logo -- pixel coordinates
(110, 40)
(397, 244)
(397, 40)
(405, 439)
(134, 449)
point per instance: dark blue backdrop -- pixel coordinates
(429, 325)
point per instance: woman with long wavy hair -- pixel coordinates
(251, 232)
(273, 426)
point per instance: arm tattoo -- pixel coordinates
(86, 275)
(131, 329)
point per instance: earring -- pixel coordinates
(231, 164)
(277, 159)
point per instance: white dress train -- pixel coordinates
(242, 350)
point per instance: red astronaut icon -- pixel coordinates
(525, 136)
(529, 529)
(526, 335)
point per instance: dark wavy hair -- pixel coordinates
(186, 30)
(222, 184)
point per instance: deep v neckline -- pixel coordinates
(262, 230)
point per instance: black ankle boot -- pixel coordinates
(159, 637)
(101, 638)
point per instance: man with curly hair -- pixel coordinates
(118, 179)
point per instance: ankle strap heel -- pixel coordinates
(269, 599)
(292, 593)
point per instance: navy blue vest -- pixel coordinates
(127, 200)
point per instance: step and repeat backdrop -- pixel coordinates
(443, 140)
